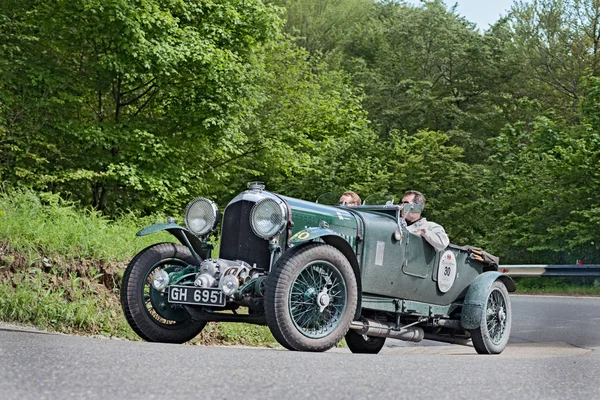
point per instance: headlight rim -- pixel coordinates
(215, 216)
(284, 216)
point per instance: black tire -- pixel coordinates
(494, 330)
(317, 314)
(283, 260)
(364, 344)
(138, 297)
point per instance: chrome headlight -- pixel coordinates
(160, 280)
(268, 218)
(201, 216)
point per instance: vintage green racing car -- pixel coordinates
(314, 274)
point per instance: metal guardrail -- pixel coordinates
(551, 270)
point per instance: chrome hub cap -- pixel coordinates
(323, 301)
(501, 314)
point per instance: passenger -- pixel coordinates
(349, 198)
(430, 231)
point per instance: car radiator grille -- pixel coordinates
(238, 241)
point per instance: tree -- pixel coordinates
(545, 206)
(302, 138)
(320, 26)
(428, 68)
(560, 40)
(127, 99)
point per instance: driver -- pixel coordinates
(349, 198)
(430, 231)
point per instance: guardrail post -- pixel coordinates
(564, 270)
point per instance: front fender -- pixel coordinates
(184, 236)
(309, 234)
(476, 297)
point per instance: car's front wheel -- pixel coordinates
(146, 309)
(311, 298)
(494, 329)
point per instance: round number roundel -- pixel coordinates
(446, 271)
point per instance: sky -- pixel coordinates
(481, 12)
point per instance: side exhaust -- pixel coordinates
(463, 341)
(372, 327)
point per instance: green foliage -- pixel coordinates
(546, 207)
(309, 124)
(558, 40)
(141, 106)
(44, 223)
(319, 26)
(428, 68)
(125, 99)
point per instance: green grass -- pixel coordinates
(230, 333)
(72, 305)
(44, 223)
(583, 286)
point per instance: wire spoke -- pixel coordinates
(313, 282)
(495, 324)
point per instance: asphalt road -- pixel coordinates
(553, 354)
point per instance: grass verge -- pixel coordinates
(572, 286)
(61, 270)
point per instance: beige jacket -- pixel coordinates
(434, 233)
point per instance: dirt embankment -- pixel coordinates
(13, 262)
(75, 296)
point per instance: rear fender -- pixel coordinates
(308, 235)
(185, 237)
(477, 296)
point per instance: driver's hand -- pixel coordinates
(420, 232)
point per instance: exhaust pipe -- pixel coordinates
(371, 327)
(449, 339)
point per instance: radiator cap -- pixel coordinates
(256, 185)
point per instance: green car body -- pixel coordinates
(315, 273)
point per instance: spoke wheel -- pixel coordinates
(146, 309)
(310, 298)
(494, 330)
(364, 344)
(317, 299)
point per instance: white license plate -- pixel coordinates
(196, 296)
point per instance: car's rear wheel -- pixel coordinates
(358, 343)
(494, 329)
(146, 309)
(311, 298)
